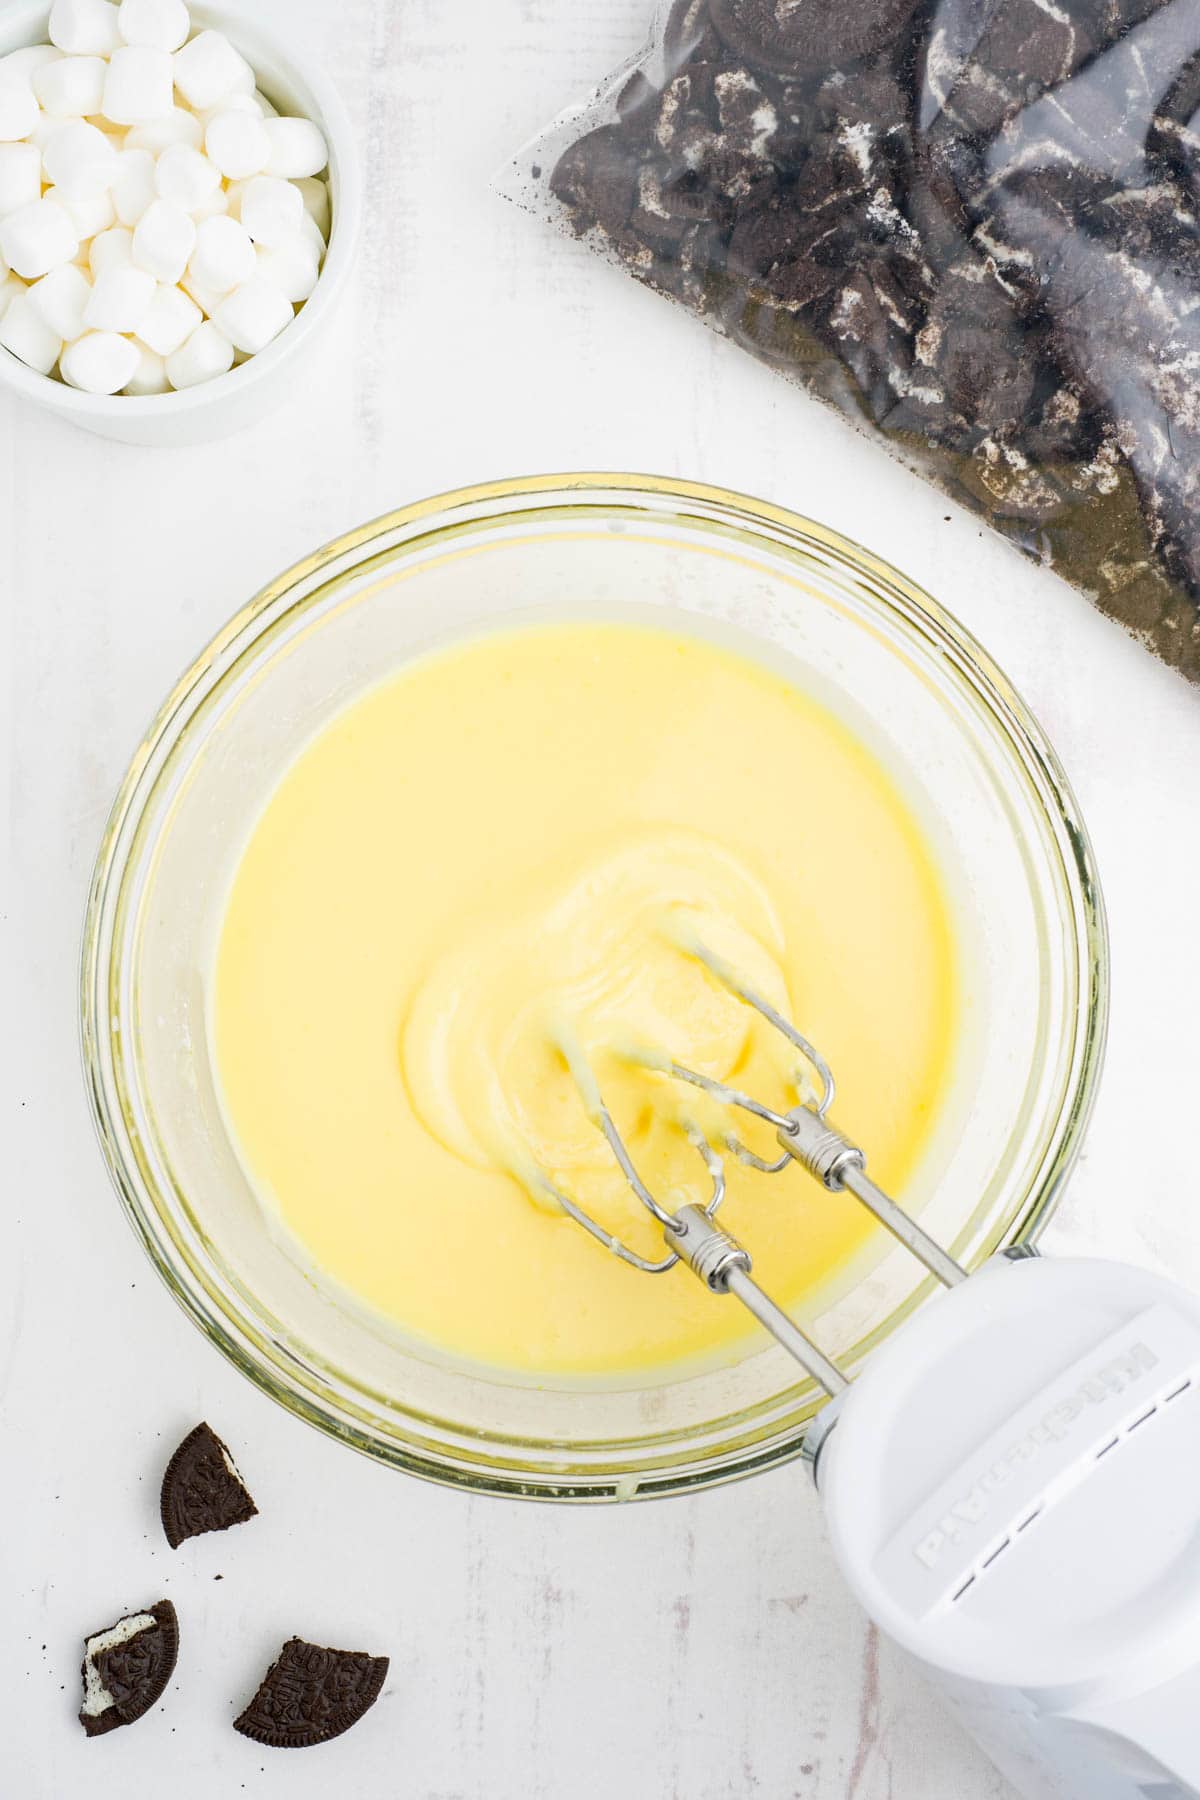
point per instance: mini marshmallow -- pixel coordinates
(150, 376)
(223, 257)
(163, 240)
(10, 286)
(138, 86)
(293, 268)
(27, 335)
(87, 216)
(155, 24)
(186, 177)
(84, 27)
(111, 249)
(36, 238)
(71, 87)
(271, 210)
(238, 144)
(253, 314)
(119, 300)
(315, 195)
(176, 126)
(169, 321)
(204, 297)
(100, 363)
(20, 176)
(298, 148)
(243, 103)
(80, 160)
(19, 111)
(60, 298)
(134, 187)
(24, 62)
(217, 205)
(206, 354)
(209, 68)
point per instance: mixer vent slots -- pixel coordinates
(1143, 1418)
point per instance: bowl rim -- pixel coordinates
(475, 504)
(334, 120)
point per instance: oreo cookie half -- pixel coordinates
(126, 1668)
(202, 1490)
(310, 1695)
(799, 37)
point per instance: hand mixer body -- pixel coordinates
(1012, 1487)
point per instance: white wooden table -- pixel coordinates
(680, 1651)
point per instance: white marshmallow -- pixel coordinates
(134, 187)
(84, 27)
(36, 238)
(111, 249)
(298, 148)
(178, 126)
(243, 103)
(87, 216)
(100, 362)
(156, 24)
(19, 110)
(271, 210)
(264, 105)
(27, 335)
(20, 176)
(238, 144)
(24, 62)
(71, 87)
(293, 268)
(253, 314)
(163, 240)
(138, 86)
(150, 376)
(80, 160)
(43, 131)
(217, 205)
(169, 322)
(223, 257)
(209, 68)
(60, 298)
(119, 300)
(10, 286)
(186, 177)
(206, 354)
(315, 194)
(205, 298)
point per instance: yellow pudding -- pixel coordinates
(484, 886)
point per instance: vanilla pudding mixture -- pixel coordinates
(497, 864)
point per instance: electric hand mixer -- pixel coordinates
(1012, 1485)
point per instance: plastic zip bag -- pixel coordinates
(973, 226)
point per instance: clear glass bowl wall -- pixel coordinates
(846, 627)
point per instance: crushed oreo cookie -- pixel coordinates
(976, 230)
(310, 1695)
(126, 1668)
(202, 1490)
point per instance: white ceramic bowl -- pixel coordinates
(292, 79)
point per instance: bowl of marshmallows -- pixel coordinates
(179, 202)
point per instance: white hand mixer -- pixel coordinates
(1012, 1485)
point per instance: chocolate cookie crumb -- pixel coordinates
(202, 1490)
(310, 1695)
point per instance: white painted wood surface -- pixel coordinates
(681, 1651)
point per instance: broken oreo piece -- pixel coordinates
(202, 1490)
(310, 1695)
(126, 1668)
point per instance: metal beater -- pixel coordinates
(805, 1136)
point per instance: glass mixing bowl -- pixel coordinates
(847, 627)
